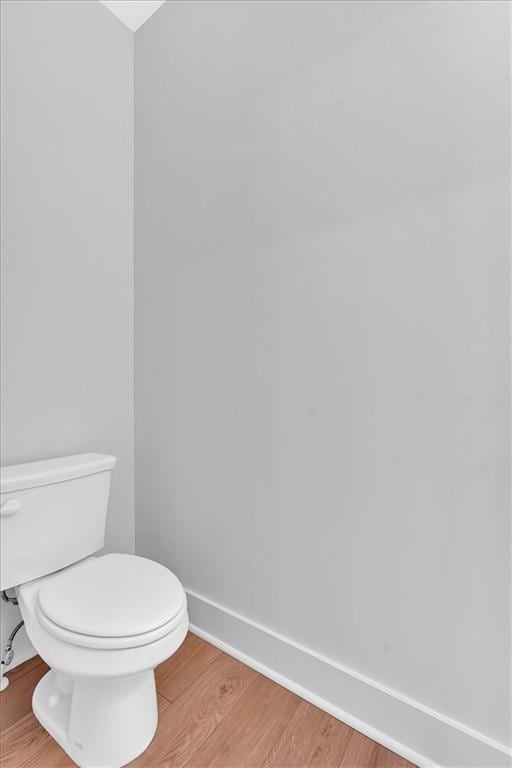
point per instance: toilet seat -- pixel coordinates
(115, 601)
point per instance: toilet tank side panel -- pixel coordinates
(50, 527)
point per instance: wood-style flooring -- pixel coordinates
(214, 711)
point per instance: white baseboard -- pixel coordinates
(425, 737)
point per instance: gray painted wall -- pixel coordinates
(67, 213)
(322, 318)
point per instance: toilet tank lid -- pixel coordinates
(17, 477)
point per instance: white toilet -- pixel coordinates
(102, 624)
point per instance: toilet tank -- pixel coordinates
(52, 514)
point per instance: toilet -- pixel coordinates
(102, 623)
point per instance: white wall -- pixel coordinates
(67, 213)
(322, 297)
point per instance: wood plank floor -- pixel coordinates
(214, 711)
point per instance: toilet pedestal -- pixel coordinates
(99, 723)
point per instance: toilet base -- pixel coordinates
(98, 722)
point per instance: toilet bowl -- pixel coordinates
(101, 623)
(102, 626)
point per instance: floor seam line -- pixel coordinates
(301, 701)
(5, 731)
(222, 718)
(346, 747)
(171, 701)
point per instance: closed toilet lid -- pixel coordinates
(112, 596)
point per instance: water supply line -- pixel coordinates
(7, 652)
